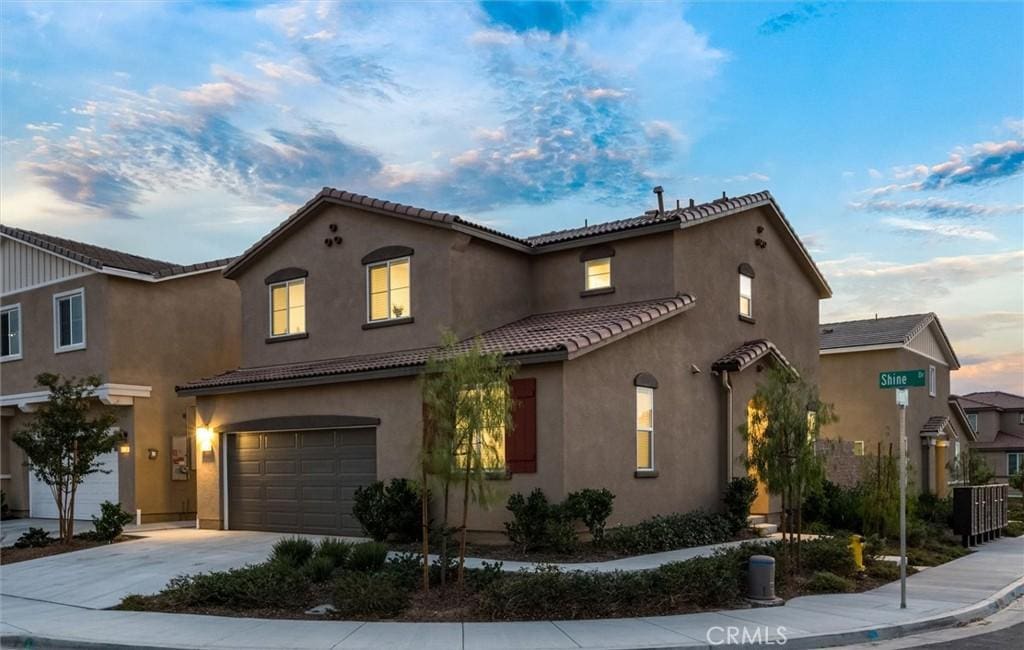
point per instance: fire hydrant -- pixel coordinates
(857, 548)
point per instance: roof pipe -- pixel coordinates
(660, 191)
(727, 386)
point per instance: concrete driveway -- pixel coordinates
(12, 529)
(100, 577)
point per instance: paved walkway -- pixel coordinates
(54, 601)
(12, 529)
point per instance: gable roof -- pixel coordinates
(106, 260)
(1003, 441)
(538, 244)
(992, 399)
(553, 336)
(882, 333)
(957, 409)
(747, 354)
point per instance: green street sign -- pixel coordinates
(901, 378)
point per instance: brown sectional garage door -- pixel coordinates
(298, 481)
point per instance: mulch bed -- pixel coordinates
(11, 555)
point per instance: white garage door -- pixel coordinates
(94, 490)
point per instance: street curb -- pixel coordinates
(979, 610)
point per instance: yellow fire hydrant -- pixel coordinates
(857, 548)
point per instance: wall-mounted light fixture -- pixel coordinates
(153, 453)
(205, 437)
(124, 448)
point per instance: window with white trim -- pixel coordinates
(746, 295)
(1014, 462)
(599, 273)
(858, 447)
(1020, 418)
(288, 307)
(933, 388)
(972, 419)
(10, 332)
(489, 439)
(644, 428)
(388, 290)
(69, 320)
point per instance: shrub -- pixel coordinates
(888, 571)
(828, 554)
(319, 568)
(485, 576)
(592, 507)
(1014, 529)
(560, 532)
(824, 582)
(530, 516)
(34, 538)
(334, 549)
(1017, 480)
(271, 584)
(389, 510)
(369, 594)
(714, 581)
(368, 557)
(292, 551)
(111, 522)
(669, 532)
(933, 510)
(832, 507)
(406, 568)
(739, 496)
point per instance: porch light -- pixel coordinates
(124, 448)
(205, 437)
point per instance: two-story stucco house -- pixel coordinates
(142, 325)
(998, 421)
(639, 344)
(854, 353)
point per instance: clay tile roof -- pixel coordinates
(1004, 440)
(98, 257)
(569, 332)
(935, 425)
(872, 331)
(747, 354)
(993, 399)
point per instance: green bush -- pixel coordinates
(828, 554)
(319, 568)
(485, 576)
(703, 581)
(406, 568)
(560, 532)
(592, 507)
(1014, 529)
(111, 522)
(271, 584)
(824, 582)
(292, 551)
(832, 507)
(391, 510)
(888, 571)
(334, 549)
(669, 532)
(739, 496)
(34, 538)
(1017, 481)
(370, 594)
(528, 528)
(935, 511)
(368, 557)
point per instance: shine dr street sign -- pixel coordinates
(901, 378)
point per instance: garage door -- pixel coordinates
(298, 481)
(94, 490)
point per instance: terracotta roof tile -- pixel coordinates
(747, 354)
(1004, 440)
(935, 424)
(567, 331)
(872, 331)
(994, 399)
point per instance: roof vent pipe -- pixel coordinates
(692, 203)
(660, 191)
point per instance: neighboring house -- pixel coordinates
(854, 353)
(639, 343)
(142, 326)
(998, 420)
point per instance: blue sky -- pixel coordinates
(891, 134)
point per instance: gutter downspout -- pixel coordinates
(728, 426)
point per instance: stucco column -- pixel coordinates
(209, 454)
(928, 464)
(939, 475)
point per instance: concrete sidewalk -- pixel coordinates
(966, 589)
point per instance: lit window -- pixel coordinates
(599, 273)
(746, 296)
(288, 308)
(1014, 462)
(388, 288)
(69, 320)
(972, 419)
(932, 380)
(644, 428)
(1020, 418)
(10, 333)
(489, 441)
(858, 447)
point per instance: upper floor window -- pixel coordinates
(69, 320)
(746, 291)
(388, 285)
(932, 381)
(10, 332)
(599, 273)
(972, 419)
(644, 428)
(288, 307)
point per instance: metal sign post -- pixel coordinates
(902, 400)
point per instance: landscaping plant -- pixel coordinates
(335, 550)
(593, 507)
(824, 582)
(111, 522)
(670, 532)
(34, 538)
(292, 551)
(389, 510)
(739, 496)
(834, 508)
(368, 557)
(369, 594)
(64, 439)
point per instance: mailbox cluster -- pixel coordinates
(980, 512)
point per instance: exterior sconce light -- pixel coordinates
(124, 448)
(205, 437)
(153, 453)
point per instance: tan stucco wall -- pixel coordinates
(868, 413)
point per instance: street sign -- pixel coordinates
(901, 378)
(902, 397)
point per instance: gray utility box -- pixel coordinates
(761, 575)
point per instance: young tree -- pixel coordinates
(971, 468)
(64, 439)
(785, 422)
(468, 409)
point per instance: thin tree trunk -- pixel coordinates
(425, 521)
(444, 536)
(465, 521)
(799, 523)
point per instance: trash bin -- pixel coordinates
(857, 548)
(761, 576)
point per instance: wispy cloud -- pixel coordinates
(802, 13)
(936, 207)
(937, 229)
(995, 372)
(980, 164)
